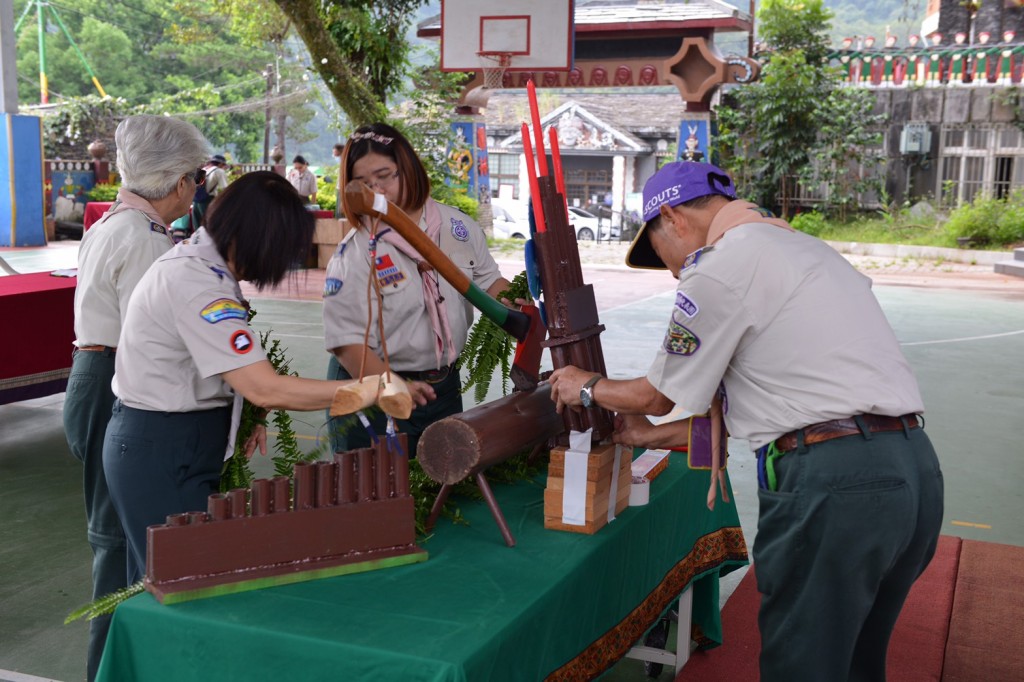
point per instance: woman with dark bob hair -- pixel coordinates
(424, 318)
(186, 356)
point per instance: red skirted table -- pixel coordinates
(38, 330)
(558, 605)
(94, 210)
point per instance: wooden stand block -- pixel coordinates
(600, 464)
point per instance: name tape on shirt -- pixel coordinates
(241, 342)
(686, 305)
(680, 341)
(223, 309)
(387, 272)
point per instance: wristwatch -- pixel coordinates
(587, 392)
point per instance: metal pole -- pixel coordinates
(8, 66)
(266, 124)
(44, 87)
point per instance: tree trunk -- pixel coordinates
(350, 92)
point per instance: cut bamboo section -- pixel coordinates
(395, 398)
(356, 396)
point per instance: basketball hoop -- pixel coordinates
(494, 66)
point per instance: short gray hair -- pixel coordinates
(153, 152)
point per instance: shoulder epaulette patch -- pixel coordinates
(156, 227)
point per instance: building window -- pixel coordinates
(982, 159)
(586, 187)
(504, 170)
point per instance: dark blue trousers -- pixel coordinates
(87, 408)
(347, 433)
(852, 525)
(161, 463)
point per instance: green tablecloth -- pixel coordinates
(558, 604)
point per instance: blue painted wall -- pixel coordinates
(22, 219)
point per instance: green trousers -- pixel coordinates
(852, 525)
(87, 408)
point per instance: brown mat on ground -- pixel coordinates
(986, 633)
(915, 651)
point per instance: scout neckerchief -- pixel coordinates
(130, 201)
(201, 246)
(432, 298)
(733, 214)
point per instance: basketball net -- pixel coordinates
(494, 65)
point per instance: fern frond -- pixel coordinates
(488, 347)
(105, 604)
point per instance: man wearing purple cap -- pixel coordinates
(788, 335)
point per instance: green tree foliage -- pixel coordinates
(161, 56)
(796, 125)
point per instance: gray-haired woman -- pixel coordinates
(159, 160)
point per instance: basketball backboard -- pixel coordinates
(535, 35)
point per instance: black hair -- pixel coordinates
(260, 225)
(380, 138)
(299, 158)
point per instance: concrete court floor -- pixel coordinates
(963, 345)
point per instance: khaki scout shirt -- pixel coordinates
(789, 327)
(186, 325)
(409, 334)
(114, 255)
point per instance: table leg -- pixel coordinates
(683, 627)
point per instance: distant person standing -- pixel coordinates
(302, 179)
(159, 159)
(216, 182)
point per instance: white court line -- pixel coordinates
(293, 336)
(11, 676)
(642, 300)
(963, 338)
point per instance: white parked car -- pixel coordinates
(587, 225)
(510, 220)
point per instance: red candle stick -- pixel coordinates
(538, 132)
(538, 209)
(556, 163)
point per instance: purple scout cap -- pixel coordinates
(676, 183)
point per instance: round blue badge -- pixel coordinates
(459, 230)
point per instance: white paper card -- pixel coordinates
(574, 493)
(613, 494)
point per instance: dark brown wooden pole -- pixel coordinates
(459, 446)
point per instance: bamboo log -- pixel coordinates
(459, 446)
(355, 396)
(395, 398)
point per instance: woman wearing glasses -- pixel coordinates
(187, 356)
(425, 320)
(158, 158)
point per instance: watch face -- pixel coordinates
(586, 396)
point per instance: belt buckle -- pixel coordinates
(435, 376)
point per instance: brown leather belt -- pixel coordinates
(840, 428)
(98, 349)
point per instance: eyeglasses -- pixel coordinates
(199, 177)
(381, 180)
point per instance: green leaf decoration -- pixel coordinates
(488, 346)
(105, 604)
